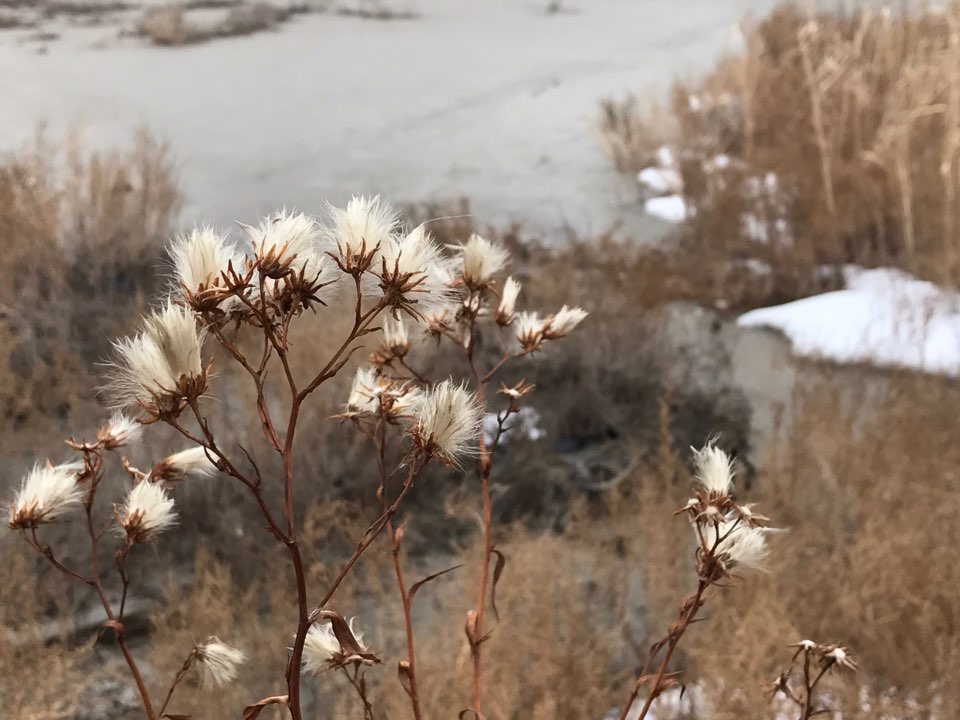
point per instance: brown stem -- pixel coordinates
(413, 691)
(687, 614)
(181, 674)
(484, 465)
(357, 682)
(371, 534)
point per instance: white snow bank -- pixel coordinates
(883, 316)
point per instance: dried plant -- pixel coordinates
(730, 537)
(818, 660)
(870, 99)
(249, 300)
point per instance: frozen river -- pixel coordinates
(493, 100)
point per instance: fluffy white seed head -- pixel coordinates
(508, 301)
(46, 493)
(218, 662)
(529, 329)
(200, 258)
(741, 545)
(713, 470)
(563, 322)
(359, 229)
(164, 360)
(372, 394)
(482, 260)
(146, 512)
(364, 392)
(119, 431)
(289, 239)
(414, 274)
(447, 420)
(320, 648)
(193, 462)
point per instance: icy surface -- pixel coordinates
(883, 316)
(493, 100)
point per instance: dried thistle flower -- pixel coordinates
(414, 276)
(713, 470)
(219, 663)
(530, 329)
(161, 367)
(146, 512)
(447, 422)
(482, 260)
(563, 322)
(287, 241)
(363, 392)
(119, 431)
(396, 343)
(359, 231)
(334, 644)
(839, 657)
(375, 395)
(174, 468)
(200, 261)
(46, 493)
(739, 545)
(506, 311)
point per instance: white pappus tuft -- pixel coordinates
(482, 260)
(359, 229)
(200, 258)
(146, 512)
(563, 322)
(447, 421)
(740, 545)
(219, 663)
(162, 362)
(119, 431)
(506, 311)
(414, 274)
(713, 469)
(191, 462)
(45, 494)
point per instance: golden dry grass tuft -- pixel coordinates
(82, 234)
(839, 132)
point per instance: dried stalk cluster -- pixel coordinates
(396, 284)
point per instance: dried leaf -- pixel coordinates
(497, 571)
(252, 712)
(417, 585)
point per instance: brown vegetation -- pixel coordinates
(854, 113)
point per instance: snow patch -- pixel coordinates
(661, 180)
(526, 422)
(883, 316)
(672, 208)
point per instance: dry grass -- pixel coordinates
(869, 497)
(871, 106)
(81, 234)
(173, 24)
